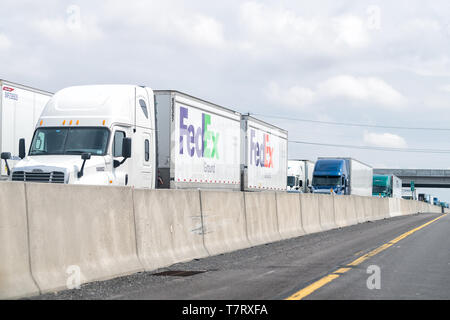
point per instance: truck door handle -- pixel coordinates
(126, 179)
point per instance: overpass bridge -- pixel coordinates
(423, 178)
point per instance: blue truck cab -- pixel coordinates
(436, 201)
(331, 175)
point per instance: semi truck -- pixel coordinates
(436, 201)
(342, 176)
(408, 194)
(20, 107)
(133, 135)
(300, 173)
(425, 197)
(389, 186)
(263, 155)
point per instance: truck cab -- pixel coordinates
(100, 134)
(331, 176)
(436, 201)
(382, 186)
(296, 176)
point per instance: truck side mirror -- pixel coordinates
(126, 152)
(126, 148)
(6, 156)
(85, 156)
(22, 148)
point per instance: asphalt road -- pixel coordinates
(415, 267)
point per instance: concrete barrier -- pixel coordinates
(352, 216)
(380, 208)
(345, 211)
(261, 217)
(326, 211)
(395, 208)
(168, 227)
(369, 203)
(224, 224)
(423, 207)
(362, 213)
(83, 233)
(15, 273)
(309, 204)
(289, 215)
(407, 206)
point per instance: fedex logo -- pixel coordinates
(200, 141)
(8, 89)
(261, 153)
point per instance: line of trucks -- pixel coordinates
(133, 135)
(136, 136)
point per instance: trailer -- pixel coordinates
(20, 108)
(396, 187)
(263, 155)
(198, 143)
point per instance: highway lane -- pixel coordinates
(417, 267)
(279, 270)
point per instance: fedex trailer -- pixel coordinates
(198, 143)
(263, 155)
(20, 108)
(132, 135)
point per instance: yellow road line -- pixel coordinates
(328, 278)
(341, 270)
(313, 287)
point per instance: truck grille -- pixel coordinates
(49, 177)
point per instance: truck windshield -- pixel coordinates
(50, 141)
(291, 181)
(380, 189)
(326, 181)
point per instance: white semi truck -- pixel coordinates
(20, 108)
(263, 155)
(132, 135)
(299, 176)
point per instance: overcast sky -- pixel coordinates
(372, 62)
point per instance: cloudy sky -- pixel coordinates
(369, 62)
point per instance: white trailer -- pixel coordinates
(396, 187)
(263, 155)
(361, 178)
(20, 108)
(123, 139)
(198, 143)
(300, 173)
(408, 194)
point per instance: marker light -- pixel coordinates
(104, 122)
(78, 121)
(64, 122)
(41, 122)
(70, 123)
